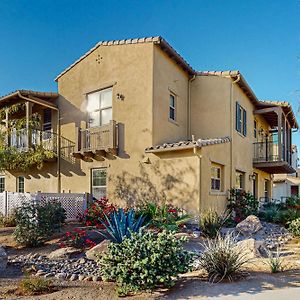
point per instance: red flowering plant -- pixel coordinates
(77, 239)
(94, 215)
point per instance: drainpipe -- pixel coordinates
(200, 172)
(189, 106)
(231, 127)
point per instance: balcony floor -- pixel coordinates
(274, 167)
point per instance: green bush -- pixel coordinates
(294, 227)
(164, 217)
(34, 286)
(211, 222)
(37, 222)
(7, 221)
(222, 258)
(242, 204)
(144, 262)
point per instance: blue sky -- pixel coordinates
(260, 38)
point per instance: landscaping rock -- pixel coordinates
(63, 253)
(3, 259)
(249, 226)
(251, 247)
(95, 251)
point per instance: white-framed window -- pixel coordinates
(172, 107)
(98, 182)
(239, 180)
(216, 173)
(2, 184)
(99, 107)
(21, 184)
(240, 119)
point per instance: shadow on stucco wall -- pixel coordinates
(158, 182)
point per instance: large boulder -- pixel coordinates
(250, 247)
(97, 250)
(63, 253)
(249, 226)
(3, 259)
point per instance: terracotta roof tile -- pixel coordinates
(182, 145)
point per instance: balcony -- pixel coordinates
(272, 158)
(96, 142)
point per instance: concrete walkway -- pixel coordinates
(282, 294)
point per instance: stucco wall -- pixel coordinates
(168, 78)
(210, 107)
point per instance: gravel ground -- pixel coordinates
(191, 286)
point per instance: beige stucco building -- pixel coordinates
(134, 121)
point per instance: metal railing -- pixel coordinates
(268, 151)
(97, 138)
(24, 140)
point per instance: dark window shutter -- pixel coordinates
(244, 122)
(237, 110)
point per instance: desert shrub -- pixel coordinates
(36, 222)
(120, 224)
(211, 222)
(222, 258)
(144, 262)
(270, 213)
(294, 227)
(34, 286)
(242, 204)
(7, 221)
(275, 262)
(164, 217)
(77, 239)
(94, 215)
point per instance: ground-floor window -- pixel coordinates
(99, 182)
(2, 184)
(216, 177)
(21, 184)
(239, 180)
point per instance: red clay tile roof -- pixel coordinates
(183, 145)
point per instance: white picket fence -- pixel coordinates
(74, 204)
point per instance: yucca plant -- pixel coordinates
(120, 224)
(222, 258)
(211, 222)
(275, 261)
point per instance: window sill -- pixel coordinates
(173, 122)
(217, 193)
(240, 134)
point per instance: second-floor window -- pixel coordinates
(99, 107)
(172, 108)
(241, 119)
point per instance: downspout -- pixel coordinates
(200, 173)
(231, 127)
(189, 106)
(58, 137)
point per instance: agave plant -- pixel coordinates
(121, 224)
